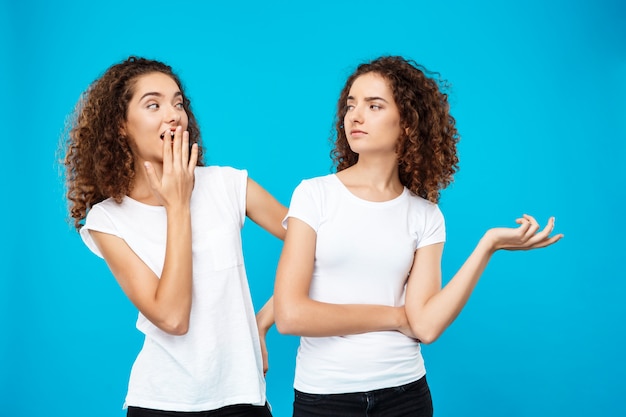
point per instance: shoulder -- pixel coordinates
(425, 213)
(319, 183)
(110, 211)
(102, 208)
(314, 187)
(421, 204)
(101, 217)
(221, 175)
(427, 220)
(215, 171)
(317, 191)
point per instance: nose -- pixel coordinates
(173, 115)
(355, 115)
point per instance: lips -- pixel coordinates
(356, 132)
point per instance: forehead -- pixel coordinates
(370, 85)
(156, 82)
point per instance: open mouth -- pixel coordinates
(163, 135)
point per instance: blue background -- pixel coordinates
(538, 92)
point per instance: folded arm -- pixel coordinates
(297, 314)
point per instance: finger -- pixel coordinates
(176, 145)
(193, 157)
(524, 225)
(167, 152)
(532, 220)
(534, 226)
(547, 242)
(550, 225)
(185, 149)
(545, 233)
(538, 239)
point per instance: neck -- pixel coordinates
(141, 190)
(374, 179)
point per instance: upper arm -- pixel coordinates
(295, 268)
(425, 277)
(263, 209)
(136, 279)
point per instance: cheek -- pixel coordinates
(394, 123)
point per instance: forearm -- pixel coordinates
(173, 294)
(297, 314)
(306, 317)
(265, 316)
(429, 318)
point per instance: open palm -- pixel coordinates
(524, 237)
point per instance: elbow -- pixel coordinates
(286, 320)
(427, 338)
(426, 334)
(179, 330)
(175, 327)
(285, 324)
(282, 327)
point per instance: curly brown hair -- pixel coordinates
(98, 160)
(427, 154)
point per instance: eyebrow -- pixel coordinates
(157, 94)
(374, 98)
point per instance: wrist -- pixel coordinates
(400, 319)
(178, 210)
(263, 327)
(263, 322)
(487, 244)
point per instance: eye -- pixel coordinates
(375, 107)
(349, 107)
(152, 106)
(180, 106)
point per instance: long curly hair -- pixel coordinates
(98, 160)
(426, 149)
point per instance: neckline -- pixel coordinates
(347, 191)
(138, 203)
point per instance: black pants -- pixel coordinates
(410, 400)
(240, 410)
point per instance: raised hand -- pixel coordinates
(526, 236)
(177, 179)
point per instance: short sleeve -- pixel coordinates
(434, 227)
(236, 183)
(230, 184)
(305, 205)
(98, 220)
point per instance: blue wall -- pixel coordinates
(539, 96)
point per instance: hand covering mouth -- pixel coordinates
(163, 134)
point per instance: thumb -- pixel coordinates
(151, 174)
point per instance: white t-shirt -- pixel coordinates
(218, 362)
(364, 253)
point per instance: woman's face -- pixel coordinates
(154, 112)
(372, 120)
